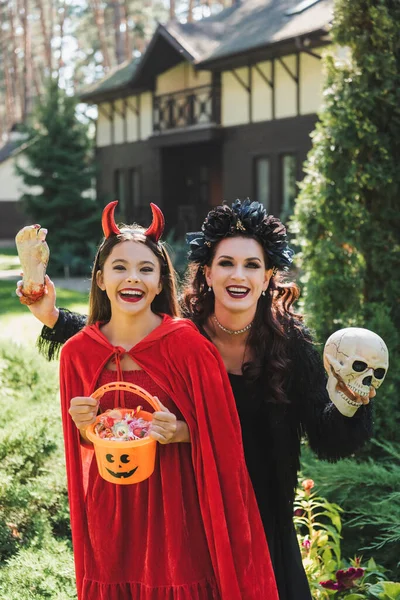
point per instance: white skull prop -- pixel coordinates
(355, 359)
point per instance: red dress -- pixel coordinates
(115, 551)
(192, 531)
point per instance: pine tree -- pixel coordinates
(59, 163)
(347, 218)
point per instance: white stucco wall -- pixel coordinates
(146, 116)
(311, 79)
(132, 118)
(103, 130)
(181, 77)
(119, 134)
(235, 98)
(262, 92)
(11, 186)
(285, 88)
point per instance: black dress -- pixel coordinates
(283, 546)
(271, 438)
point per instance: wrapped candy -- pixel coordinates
(114, 426)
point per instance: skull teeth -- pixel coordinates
(350, 402)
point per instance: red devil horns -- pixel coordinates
(108, 220)
(154, 232)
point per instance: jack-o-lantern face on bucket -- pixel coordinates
(120, 463)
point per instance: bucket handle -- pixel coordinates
(127, 387)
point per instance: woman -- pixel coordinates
(235, 295)
(191, 531)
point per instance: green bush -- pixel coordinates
(347, 216)
(35, 552)
(368, 493)
(39, 573)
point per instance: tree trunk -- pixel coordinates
(99, 19)
(27, 68)
(61, 11)
(10, 106)
(119, 42)
(172, 9)
(46, 36)
(128, 40)
(190, 11)
(16, 78)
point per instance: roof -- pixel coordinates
(252, 24)
(117, 78)
(9, 148)
(246, 26)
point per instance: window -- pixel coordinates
(134, 188)
(262, 181)
(288, 185)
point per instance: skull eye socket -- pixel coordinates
(110, 458)
(124, 458)
(379, 373)
(359, 366)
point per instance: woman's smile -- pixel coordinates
(238, 291)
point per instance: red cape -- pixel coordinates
(191, 372)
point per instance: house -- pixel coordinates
(12, 217)
(215, 109)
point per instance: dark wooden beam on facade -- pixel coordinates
(294, 76)
(106, 113)
(112, 123)
(298, 84)
(124, 110)
(240, 80)
(264, 77)
(250, 79)
(311, 53)
(132, 106)
(273, 88)
(138, 117)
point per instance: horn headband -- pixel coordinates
(154, 232)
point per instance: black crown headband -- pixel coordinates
(245, 217)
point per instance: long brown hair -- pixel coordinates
(268, 339)
(165, 302)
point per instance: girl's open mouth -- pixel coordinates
(131, 295)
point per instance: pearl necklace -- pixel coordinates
(232, 331)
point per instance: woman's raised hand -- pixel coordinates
(45, 309)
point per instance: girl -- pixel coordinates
(192, 531)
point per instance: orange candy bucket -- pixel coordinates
(129, 462)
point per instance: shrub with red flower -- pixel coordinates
(345, 579)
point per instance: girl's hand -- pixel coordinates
(44, 309)
(83, 411)
(166, 429)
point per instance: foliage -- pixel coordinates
(40, 573)
(178, 251)
(347, 217)
(58, 151)
(35, 554)
(368, 493)
(319, 526)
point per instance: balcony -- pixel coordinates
(193, 108)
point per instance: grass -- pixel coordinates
(16, 322)
(8, 259)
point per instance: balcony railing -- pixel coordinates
(187, 108)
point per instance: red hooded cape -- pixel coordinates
(191, 372)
